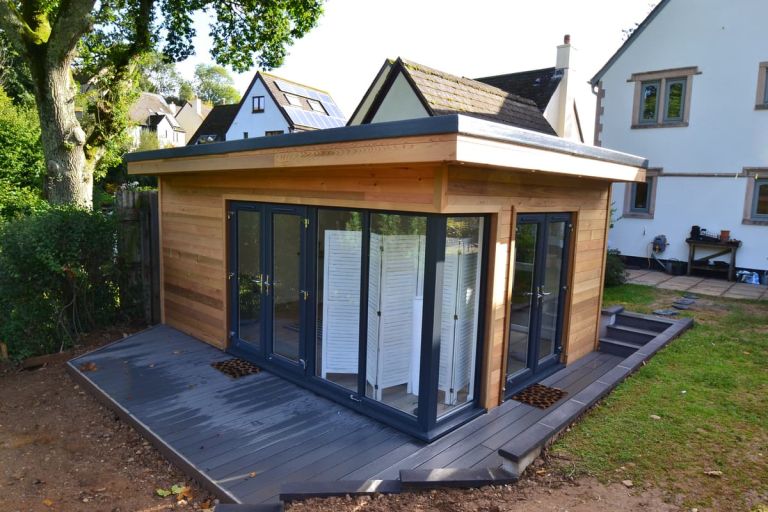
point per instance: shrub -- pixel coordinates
(57, 278)
(615, 271)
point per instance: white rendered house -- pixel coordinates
(688, 90)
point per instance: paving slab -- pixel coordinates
(651, 278)
(681, 283)
(634, 273)
(744, 291)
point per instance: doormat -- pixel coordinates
(539, 396)
(236, 368)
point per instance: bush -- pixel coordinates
(615, 271)
(58, 278)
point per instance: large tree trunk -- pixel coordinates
(70, 177)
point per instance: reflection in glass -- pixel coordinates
(641, 195)
(762, 199)
(550, 302)
(649, 101)
(675, 99)
(249, 277)
(286, 319)
(459, 315)
(395, 298)
(523, 297)
(339, 248)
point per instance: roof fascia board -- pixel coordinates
(631, 39)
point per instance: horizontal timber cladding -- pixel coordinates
(194, 241)
(510, 193)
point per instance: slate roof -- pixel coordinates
(449, 94)
(537, 84)
(216, 124)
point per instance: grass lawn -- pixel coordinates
(710, 389)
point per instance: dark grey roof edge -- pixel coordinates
(631, 39)
(413, 127)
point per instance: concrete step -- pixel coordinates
(630, 334)
(618, 347)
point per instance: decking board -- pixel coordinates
(224, 430)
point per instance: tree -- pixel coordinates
(158, 75)
(73, 45)
(214, 85)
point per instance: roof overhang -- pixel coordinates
(453, 139)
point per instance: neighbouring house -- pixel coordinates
(549, 100)
(271, 106)
(215, 125)
(152, 114)
(191, 115)
(418, 271)
(689, 90)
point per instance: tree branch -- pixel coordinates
(12, 26)
(74, 18)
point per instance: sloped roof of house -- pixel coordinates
(146, 105)
(537, 84)
(215, 125)
(312, 108)
(631, 39)
(154, 119)
(445, 94)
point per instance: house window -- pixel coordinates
(316, 106)
(760, 200)
(761, 103)
(640, 198)
(258, 104)
(270, 133)
(293, 100)
(662, 98)
(245, 135)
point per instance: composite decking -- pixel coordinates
(245, 438)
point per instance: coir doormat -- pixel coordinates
(236, 368)
(539, 396)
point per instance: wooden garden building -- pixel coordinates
(417, 271)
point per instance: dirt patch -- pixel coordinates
(534, 494)
(61, 451)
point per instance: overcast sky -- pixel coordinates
(466, 38)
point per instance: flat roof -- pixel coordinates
(474, 141)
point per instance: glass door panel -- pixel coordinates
(551, 289)
(337, 332)
(523, 297)
(249, 278)
(287, 292)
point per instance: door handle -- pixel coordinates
(304, 294)
(266, 284)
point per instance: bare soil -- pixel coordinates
(60, 451)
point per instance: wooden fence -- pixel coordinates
(138, 253)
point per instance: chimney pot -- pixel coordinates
(567, 39)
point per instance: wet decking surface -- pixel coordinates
(244, 438)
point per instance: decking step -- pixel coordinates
(304, 490)
(618, 347)
(630, 334)
(642, 322)
(454, 477)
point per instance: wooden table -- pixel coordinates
(721, 248)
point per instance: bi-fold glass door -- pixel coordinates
(538, 296)
(268, 282)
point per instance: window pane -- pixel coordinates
(339, 248)
(675, 99)
(249, 277)
(761, 198)
(649, 101)
(286, 283)
(460, 308)
(640, 197)
(395, 298)
(526, 242)
(765, 94)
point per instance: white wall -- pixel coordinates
(166, 136)
(400, 103)
(726, 40)
(257, 123)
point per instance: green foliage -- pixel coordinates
(615, 271)
(157, 74)
(15, 79)
(21, 160)
(57, 278)
(709, 390)
(214, 85)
